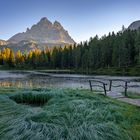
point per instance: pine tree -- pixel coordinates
(137, 48)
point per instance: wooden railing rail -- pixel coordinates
(125, 86)
(102, 85)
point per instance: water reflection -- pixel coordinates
(18, 84)
(43, 82)
(6, 84)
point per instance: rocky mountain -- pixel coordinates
(44, 32)
(135, 25)
(3, 42)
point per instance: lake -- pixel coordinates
(31, 79)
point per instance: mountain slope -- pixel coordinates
(3, 42)
(135, 25)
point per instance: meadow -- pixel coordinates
(65, 114)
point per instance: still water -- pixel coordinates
(31, 79)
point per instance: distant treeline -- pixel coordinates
(121, 50)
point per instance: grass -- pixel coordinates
(65, 115)
(132, 95)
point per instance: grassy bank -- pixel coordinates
(133, 95)
(65, 114)
(130, 71)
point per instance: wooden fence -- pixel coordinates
(109, 82)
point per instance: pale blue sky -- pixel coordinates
(82, 18)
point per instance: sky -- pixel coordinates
(81, 18)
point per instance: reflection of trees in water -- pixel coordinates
(41, 82)
(6, 84)
(19, 83)
(23, 83)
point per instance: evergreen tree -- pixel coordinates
(137, 48)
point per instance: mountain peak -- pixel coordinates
(44, 32)
(44, 20)
(57, 25)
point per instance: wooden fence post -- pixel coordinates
(110, 85)
(90, 85)
(104, 89)
(125, 92)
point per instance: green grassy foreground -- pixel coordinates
(58, 114)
